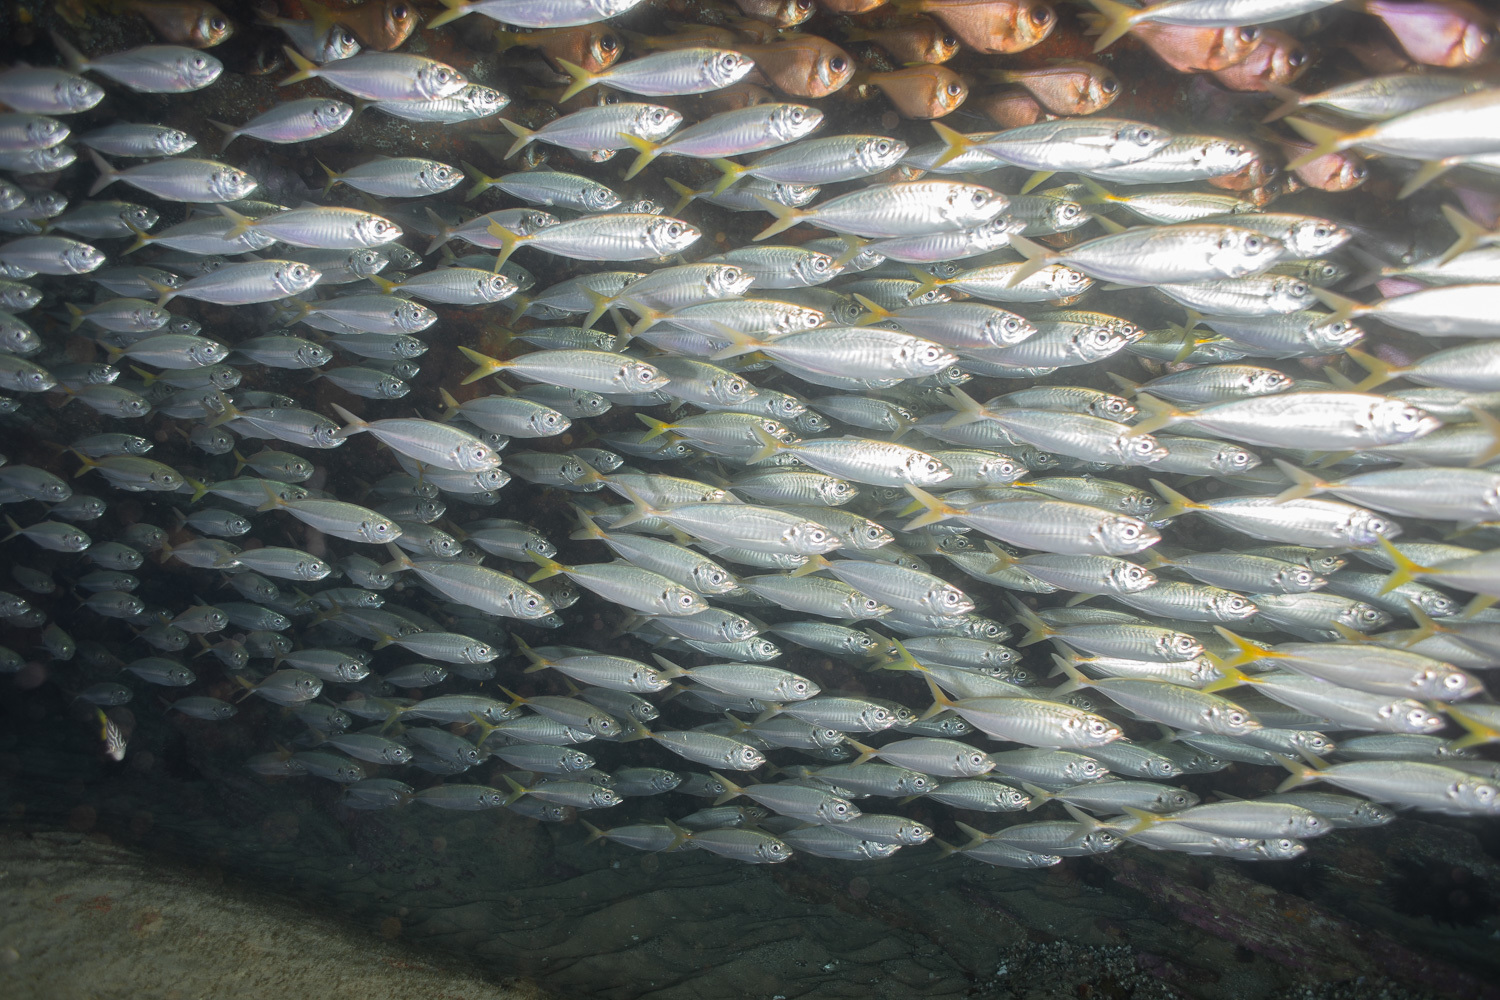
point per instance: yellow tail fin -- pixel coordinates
(582, 79)
(306, 68)
(786, 218)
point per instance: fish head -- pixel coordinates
(669, 236)
(875, 154)
(372, 230)
(80, 258)
(1396, 422)
(1232, 459)
(711, 578)
(198, 70)
(78, 94)
(412, 317)
(724, 67)
(1448, 685)
(971, 205)
(654, 122)
(1006, 328)
(745, 758)
(921, 469)
(1364, 617)
(809, 538)
(1173, 799)
(1242, 252)
(436, 80)
(1130, 578)
(772, 851)
(480, 101)
(338, 44)
(1279, 848)
(1233, 607)
(1437, 604)
(1123, 535)
(762, 650)
(1135, 141)
(814, 268)
(790, 122)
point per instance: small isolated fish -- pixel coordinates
(186, 22)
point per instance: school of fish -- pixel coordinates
(932, 428)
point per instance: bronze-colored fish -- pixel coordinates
(922, 91)
(1257, 173)
(807, 66)
(1195, 50)
(1066, 87)
(595, 47)
(1335, 172)
(993, 27)
(378, 24)
(850, 6)
(782, 13)
(1279, 59)
(1010, 108)
(919, 40)
(1437, 32)
(694, 36)
(186, 22)
(741, 95)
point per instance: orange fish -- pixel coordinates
(1010, 108)
(741, 95)
(922, 91)
(807, 66)
(782, 13)
(850, 6)
(379, 24)
(1198, 50)
(1065, 87)
(595, 47)
(1256, 174)
(710, 36)
(918, 40)
(186, 22)
(1335, 172)
(993, 27)
(1279, 59)
(1437, 32)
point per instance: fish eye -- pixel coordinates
(217, 24)
(1249, 33)
(199, 62)
(1252, 243)
(609, 43)
(1041, 15)
(1296, 57)
(949, 42)
(1109, 85)
(400, 12)
(838, 64)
